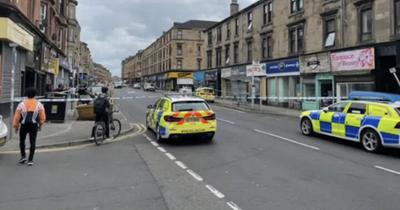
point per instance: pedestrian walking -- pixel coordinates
(28, 119)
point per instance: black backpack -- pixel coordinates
(99, 105)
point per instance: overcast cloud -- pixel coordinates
(116, 29)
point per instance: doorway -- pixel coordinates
(326, 91)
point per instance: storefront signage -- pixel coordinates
(315, 63)
(259, 71)
(179, 75)
(362, 59)
(64, 63)
(288, 67)
(225, 73)
(211, 75)
(52, 66)
(198, 76)
(161, 77)
(238, 71)
(154, 78)
(14, 33)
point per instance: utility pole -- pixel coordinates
(256, 64)
(14, 62)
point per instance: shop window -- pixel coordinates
(343, 89)
(309, 92)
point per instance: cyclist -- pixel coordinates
(101, 108)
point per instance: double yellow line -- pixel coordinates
(139, 129)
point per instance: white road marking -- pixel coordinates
(233, 205)
(154, 143)
(196, 176)
(227, 121)
(215, 191)
(170, 156)
(278, 119)
(130, 92)
(180, 164)
(388, 170)
(286, 139)
(161, 149)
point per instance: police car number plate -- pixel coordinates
(192, 119)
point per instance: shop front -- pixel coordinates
(161, 81)
(177, 80)
(226, 88)
(63, 74)
(284, 82)
(239, 83)
(316, 81)
(11, 32)
(211, 79)
(258, 73)
(198, 79)
(353, 70)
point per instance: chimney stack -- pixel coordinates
(234, 7)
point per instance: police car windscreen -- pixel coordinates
(189, 106)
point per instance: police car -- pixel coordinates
(180, 116)
(3, 132)
(373, 123)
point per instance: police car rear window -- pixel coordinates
(397, 109)
(208, 90)
(189, 106)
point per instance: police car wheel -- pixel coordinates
(158, 135)
(371, 141)
(147, 125)
(306, 127)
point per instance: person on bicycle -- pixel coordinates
(101, 108)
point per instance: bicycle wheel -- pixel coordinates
(99, 134)
(115, 128)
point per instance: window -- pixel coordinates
(267, 47)
(249, 20)
(71, 34)
(209, 59)
(179, 49)
(179, 34)
(70, 58)
(309, 92)
(60, 38)
(61, 7)
(219, 35)
(338, 107)
(227, 53)
(219, 57)
(296, 6)
(228, 31)
(249, 51)
(189, 106)
(330, 28)
(397, 17)
(43, 14)
(179, 64)
(296, 37)
(198, 64)
(199, 35)
(236, 53)
(71, 12)
(357, 108)
(198, 51)
(366, 24)
(267, 17)
(377, 110)
(237, 26)
(209, 38)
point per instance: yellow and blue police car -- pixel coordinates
(180, 116)
(205, 93)
(373, 124)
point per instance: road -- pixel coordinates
(263, 162)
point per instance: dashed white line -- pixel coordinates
(154, 143)
(388, 170)
(227, 121)
(215, 191)
(180, 164)
(286, 139)
(161, 149)
(170, 156)
(147, 137)
(233, 205)
(196, 176)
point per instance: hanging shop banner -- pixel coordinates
(257, 70)
(363, 59)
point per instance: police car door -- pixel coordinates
(152, 112)
(158, 112)
(355, 114)
(330, 120)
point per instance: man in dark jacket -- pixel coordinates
(102, 110)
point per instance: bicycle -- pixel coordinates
(100, 130)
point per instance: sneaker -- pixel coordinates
(30, 163)
(22, 160)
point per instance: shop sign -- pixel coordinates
(161, 77)
(179, 75)
(14, 33)
(362, 59)
(225, 73)
(63, 63)
(198, 75)
(154, 78)
(283, 67)
(315, 63)
(259, 70)
(238, 71)
(52, 66)
(211, 75)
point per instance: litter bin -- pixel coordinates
(55, 110)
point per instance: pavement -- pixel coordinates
(256, 162)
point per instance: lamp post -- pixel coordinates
(14, 62)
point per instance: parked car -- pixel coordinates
(118, 85)
(149, 87)
(136, 86)
(3, 132)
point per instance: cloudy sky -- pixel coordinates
(115, 29)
